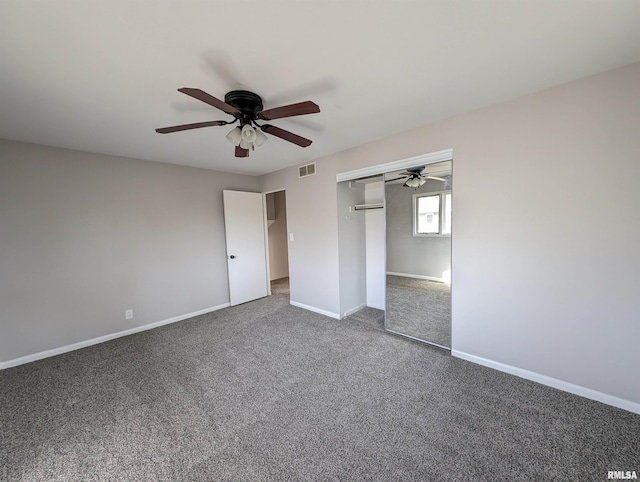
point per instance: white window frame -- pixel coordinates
(414, 212)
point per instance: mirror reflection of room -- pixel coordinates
(418, 221)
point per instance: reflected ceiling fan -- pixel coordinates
(246, 108)
(416, 177)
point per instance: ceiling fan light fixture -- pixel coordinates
(248, 133)
(414, 182)
(245, 144)
(235, 136)
(260, 138)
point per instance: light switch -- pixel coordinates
(290, 236)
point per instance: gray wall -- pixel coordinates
(421, 255)
(534, 286)
(278, 255)
(85, 236)
(375, 246)
(312, 219)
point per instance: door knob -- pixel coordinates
(232, 257)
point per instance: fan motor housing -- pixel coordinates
(246, 102)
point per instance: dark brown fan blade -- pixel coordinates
(209, 99)
(286, 135)
(240, 152)
(186, 127)
(301, 108)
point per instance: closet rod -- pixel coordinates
(362, 207)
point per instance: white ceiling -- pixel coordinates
(101, 75)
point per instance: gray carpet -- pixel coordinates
(371, 317)
(267, 391)
(280, 286)
(420, 308)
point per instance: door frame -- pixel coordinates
(266, 234)
(422, 160)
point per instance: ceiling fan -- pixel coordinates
(416, 177)
(246, 108)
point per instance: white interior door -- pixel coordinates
(246, 253)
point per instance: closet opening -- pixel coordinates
(394, 236)
(278, 244)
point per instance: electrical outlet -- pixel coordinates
(128, 314)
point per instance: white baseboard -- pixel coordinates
(552, 382)
(417, 276)
(101, 339)
(353, 310)
(315, 310)
(375, 306)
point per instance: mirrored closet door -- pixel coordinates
(418, 212)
